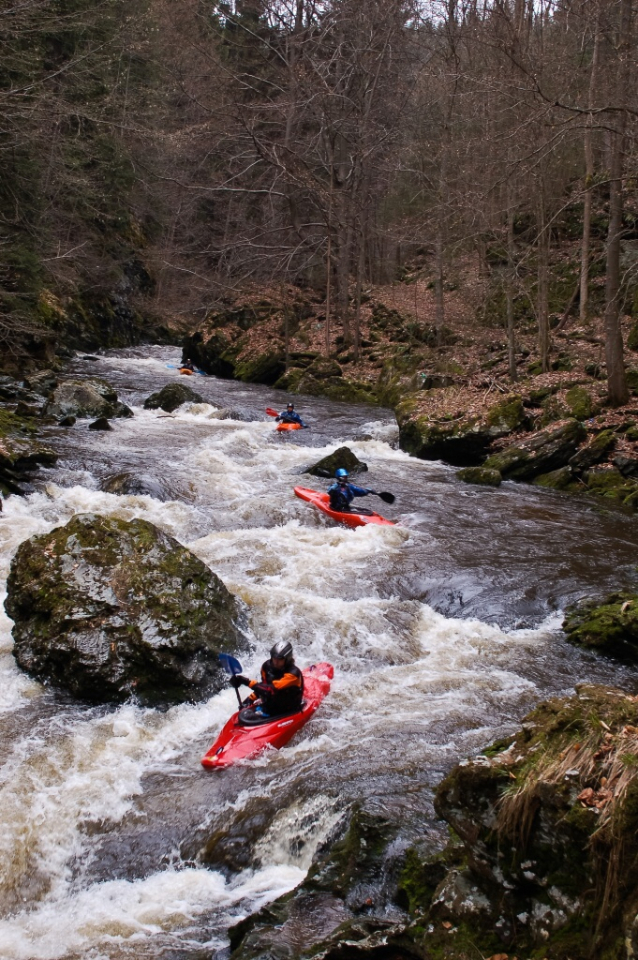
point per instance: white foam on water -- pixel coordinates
(120, 911)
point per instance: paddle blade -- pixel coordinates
(387, 497)
(230, 664)
(271, 412)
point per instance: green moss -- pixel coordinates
(481, 476)
(580, 403)
(611, 626)
(266, 368)
(560, 479)
(507, 415)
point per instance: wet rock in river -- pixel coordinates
(481, 476)
(20, 452)
(609, 626)
(108, 609)
(86, 398)
(129, 484)
(172, 396)
(347, 880)
(343, 458)
(44, 382)
(100, 424)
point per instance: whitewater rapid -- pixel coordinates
(443, 630)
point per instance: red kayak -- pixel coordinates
(288, 426)
(352, 519)
(236, 742)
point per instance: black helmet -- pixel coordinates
(290, 406)
(283, 649)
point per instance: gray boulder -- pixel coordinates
(342, 458)
(172, 396)
(107, 609)
(86, 398)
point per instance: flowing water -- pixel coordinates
(444, 631)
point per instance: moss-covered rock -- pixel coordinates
(108, 609)
(543, 452)
(342, 458)
(632, 339)
(462, 443)
(265, 368)
(560, 479)
(609, 626)
(172, 396)
(580, 403)
(86, 398)
(481, 476)
(594, 452)
(506, 416)
(547, 821)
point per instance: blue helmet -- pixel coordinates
(341, 474)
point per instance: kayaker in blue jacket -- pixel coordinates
(342, 493)
(289, 416)
(280, 690)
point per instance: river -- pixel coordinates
(444, 631)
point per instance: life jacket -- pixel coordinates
(280, 690)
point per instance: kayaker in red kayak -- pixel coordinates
(342, 493)
(280, 690)
(289, 416)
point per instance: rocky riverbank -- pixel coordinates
(541, 860)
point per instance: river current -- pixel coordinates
(444, 631)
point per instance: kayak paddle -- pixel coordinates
(386, 497)
(271, 412)
(231, 667)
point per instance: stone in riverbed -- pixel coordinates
(86, 398)
(108, 609)
(342, 458)
(609, 626)
(481, 476)
(100, 424)
(172, 396)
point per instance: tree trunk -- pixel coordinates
(616, 379)
(543, 284)
(589, 176)
(509, 289)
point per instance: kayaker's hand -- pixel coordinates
(237, 681)
(277, 419)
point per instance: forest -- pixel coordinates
(161, 159)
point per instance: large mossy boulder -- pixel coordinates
(547, 822)
(543, 452)
(264, 368)
(609, 626)
(343, 458)
(464, 441)
(108, 609)
(86, 398)
(172, 396)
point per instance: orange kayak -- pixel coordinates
(351, 519)
(186, 371)
(288, 426)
